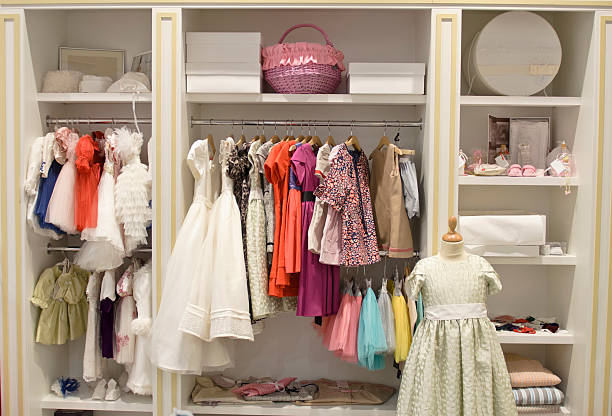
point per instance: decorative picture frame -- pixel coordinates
(100, 62)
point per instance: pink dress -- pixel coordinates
(349, 353)
(331, 240)
(60, 211)
(319, 287)
(338, 331)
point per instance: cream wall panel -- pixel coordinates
(446, 33)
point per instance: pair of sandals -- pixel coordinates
(527, 170)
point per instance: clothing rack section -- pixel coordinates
(214, 122)
(75, 249)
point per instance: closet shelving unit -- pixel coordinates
(46, 30)
(557, 286)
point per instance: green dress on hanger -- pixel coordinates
(61, 296)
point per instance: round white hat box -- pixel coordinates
(516, 53)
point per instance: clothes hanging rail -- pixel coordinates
(215, 122)
(74, 249)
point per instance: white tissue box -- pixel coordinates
(223, 78)
(503, 230)
(386, 78)
(223, 47)
(503, 251)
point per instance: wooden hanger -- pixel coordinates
(315, 141)
(330, 141)
(262, 139)
(384, 141)
(452, 236)
(404, 152)
(211, 143)
(353, 141)
(241, 140)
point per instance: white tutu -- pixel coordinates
(132, 191)
(103, 249)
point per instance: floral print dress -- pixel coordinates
(346, 189)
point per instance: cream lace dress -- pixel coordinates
(455, 367)
(171, 349)
(219, 305)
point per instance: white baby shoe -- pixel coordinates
(100, 390)
(112, 392)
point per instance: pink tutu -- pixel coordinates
(339, 331)
(349, 353)
(60, 211)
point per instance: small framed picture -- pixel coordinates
(100, 62)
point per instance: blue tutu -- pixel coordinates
(371, 342)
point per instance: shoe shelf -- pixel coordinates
(82, 401)
(516, 181)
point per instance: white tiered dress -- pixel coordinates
(219, 303)
(171, 349)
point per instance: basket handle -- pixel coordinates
(292, 28)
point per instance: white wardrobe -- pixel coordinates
(574, 288)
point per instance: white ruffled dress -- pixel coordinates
(132, 191)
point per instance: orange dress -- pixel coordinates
(86, 184)
(277, 173)
(293, 231)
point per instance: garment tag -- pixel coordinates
(501, 161)
(342, 384)
(558, 167)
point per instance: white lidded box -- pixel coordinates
(386, 78)
(215, 77)
(223, 47)
(503, 230)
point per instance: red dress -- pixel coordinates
(86, 184)
(281, 283)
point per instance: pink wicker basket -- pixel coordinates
(303, 67)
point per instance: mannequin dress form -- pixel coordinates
(455, 366)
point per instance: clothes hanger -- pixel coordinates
(242, 138)
(275, 138)
(315, 140)
(288, 136)
(452, 236)
(211, 143)
(384, 141)
(256, 137)
(352, 140)
(262, 136)
(398, 151)
(301, 139)
(330, 139)
(307, 138)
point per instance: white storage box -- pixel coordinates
(386, 78)
(223, 47)
(503, 251)
(223, 77)
(503, 230)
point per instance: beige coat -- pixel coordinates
(392, 223)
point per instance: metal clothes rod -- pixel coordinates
(272, 123)
(74, 249)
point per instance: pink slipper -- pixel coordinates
(529, 170)
(515, 170)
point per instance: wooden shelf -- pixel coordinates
(267, 98)
(385, 409)
(506, 337)
(566, 260)
(516, 181)
(512, 101)
(92, 98)
(83, 401)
